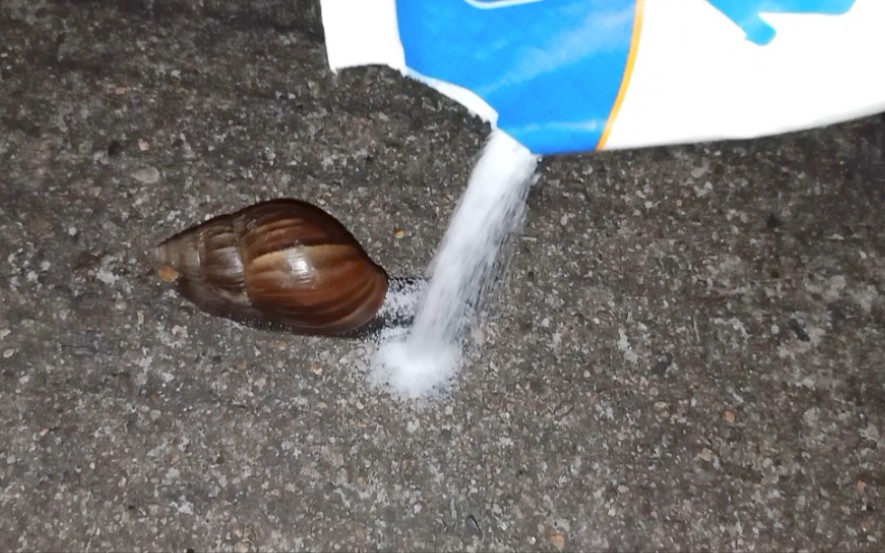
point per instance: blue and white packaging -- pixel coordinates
(565, 76)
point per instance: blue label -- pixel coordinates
(745, 13)
(551, 69)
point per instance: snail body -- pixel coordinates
(283, 264)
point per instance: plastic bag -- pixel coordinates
(565, 76)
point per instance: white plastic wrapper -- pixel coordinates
(565, 76)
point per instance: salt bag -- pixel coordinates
(568, 76)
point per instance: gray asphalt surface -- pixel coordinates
(688, 354)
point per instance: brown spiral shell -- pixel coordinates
(277, 264)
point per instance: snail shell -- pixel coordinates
(277, 264)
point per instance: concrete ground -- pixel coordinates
(688, 354)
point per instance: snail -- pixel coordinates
(284, 264)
